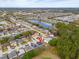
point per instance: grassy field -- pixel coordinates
(49, 53)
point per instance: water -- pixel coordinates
(43, 24)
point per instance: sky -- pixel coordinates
(39, 3)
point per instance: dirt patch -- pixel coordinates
(49, 53)
(46, 55)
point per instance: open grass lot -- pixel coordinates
(48, 53)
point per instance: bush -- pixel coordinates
(53, 42)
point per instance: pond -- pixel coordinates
(44, 24)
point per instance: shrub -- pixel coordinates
(53, 42)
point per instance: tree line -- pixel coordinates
(67, 40)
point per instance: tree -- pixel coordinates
(17, 36)
(31, 54)
(67, 41)
(53, 42)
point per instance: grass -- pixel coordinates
(48, 53)
(24, 42)
(33, 53)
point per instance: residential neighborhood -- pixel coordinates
(24, 31)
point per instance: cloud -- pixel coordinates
(39, 3)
